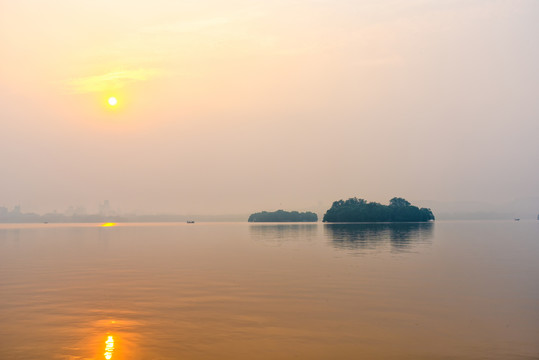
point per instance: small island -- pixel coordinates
(283, 216)
(359, 210)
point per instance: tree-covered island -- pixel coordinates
(359, 210)
(283, 216)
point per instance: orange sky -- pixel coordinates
(242, 106)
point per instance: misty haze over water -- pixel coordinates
(526, 208)
(232, 108)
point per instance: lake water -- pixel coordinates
(446, 290)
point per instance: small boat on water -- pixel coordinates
(517, 219)
(190, 221)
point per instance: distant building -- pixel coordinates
(75, 210)
(105, 209)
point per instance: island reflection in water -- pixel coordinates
(280, 232)
(362, 236)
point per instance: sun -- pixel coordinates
(113, 101)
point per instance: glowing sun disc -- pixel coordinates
(112, 101)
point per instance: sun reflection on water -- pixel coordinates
(109, 347)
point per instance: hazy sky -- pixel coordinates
(239, 106)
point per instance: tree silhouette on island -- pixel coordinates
(353, 210)
(283, 216)
(359, 210)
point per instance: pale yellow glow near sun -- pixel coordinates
(113, 101)
(111, 81)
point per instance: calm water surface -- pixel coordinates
(449, 290)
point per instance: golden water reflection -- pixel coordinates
(462, 290)
(109, 347)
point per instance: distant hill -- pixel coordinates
(359, 210)
(283, 216)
